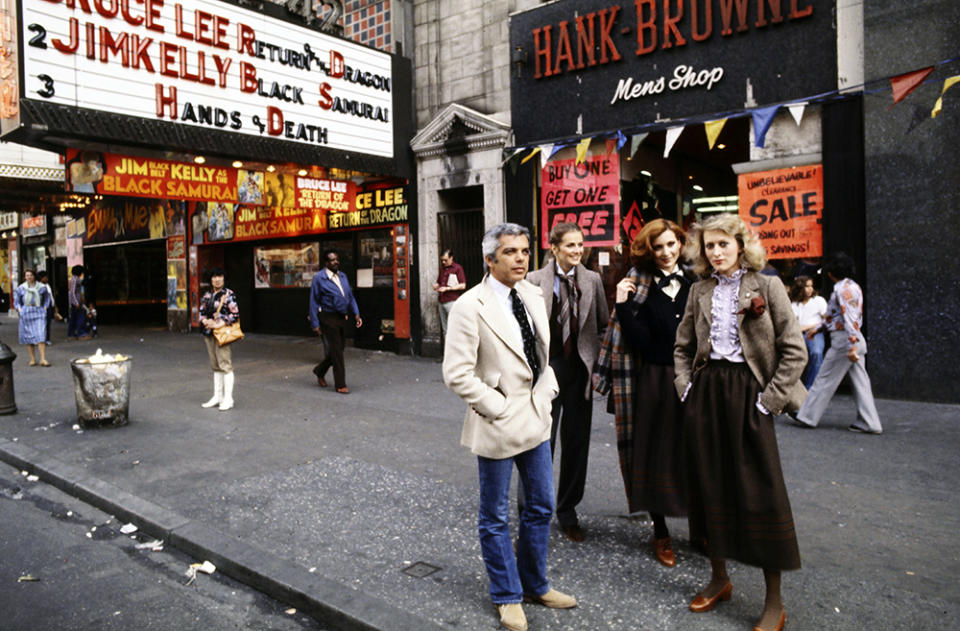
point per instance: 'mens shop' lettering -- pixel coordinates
(659, 24)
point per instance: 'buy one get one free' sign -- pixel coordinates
(587, 194)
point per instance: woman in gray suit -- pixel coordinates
(738, 358)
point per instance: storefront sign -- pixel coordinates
(9, 64)
(129, 219)
(587, 194)
(33, 226)
(112, 174)
(609, 65)
(785, 209)
(373, 207)
(213, 65)
(9, 221)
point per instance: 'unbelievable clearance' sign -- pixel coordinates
(785, 209)
(587, 194)
(209, 64)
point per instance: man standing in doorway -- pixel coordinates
(450, 282)
(495, 359)
(331, 305)
(578, 313)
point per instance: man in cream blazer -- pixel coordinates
(495, 359)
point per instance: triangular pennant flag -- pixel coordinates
(796, 110)
(611, 144)
(762, 119)
(906, 83)
(545, 152)
(621, 140)
(510, 155)
(713, 129)
(556, 148)
(946, 86)
(530, 155)
(582, 147)
(672, 134)
(635, 141)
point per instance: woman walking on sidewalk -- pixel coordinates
(31, 300)
(738, 359)
(218, 308)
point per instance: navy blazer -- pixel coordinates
(326, 296)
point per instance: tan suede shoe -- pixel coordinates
(554, 600)
(512, 617)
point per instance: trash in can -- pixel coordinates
(101, 384)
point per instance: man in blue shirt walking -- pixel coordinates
(331, 306)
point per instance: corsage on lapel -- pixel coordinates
(757, 306)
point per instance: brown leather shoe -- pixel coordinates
(553, 599)
(702, 604)
(574, 533)
(663, 550)
(512, 617)
(779, 627)
(321, 382)
(343, 390)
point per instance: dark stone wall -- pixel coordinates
(912, 192)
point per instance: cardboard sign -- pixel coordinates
(785, 209)
(587, 194)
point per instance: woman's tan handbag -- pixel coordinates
(228, 333)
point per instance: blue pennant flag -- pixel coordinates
(762, 119)
(621, 140)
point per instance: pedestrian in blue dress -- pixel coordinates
(31, 300)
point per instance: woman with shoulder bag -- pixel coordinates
(218, 309)
(738, 359)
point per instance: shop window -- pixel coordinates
(285, 266)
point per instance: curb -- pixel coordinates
(329, 602)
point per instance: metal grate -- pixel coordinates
(420, 569)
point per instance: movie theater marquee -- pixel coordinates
(209, 64)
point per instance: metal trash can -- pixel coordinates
(102, 389)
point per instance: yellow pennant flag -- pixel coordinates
(946, 86)
(582, 147)
(530, 155)
(713, 129)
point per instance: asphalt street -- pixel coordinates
(67, 565)
(372, 493)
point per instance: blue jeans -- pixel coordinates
(512, 576)
(815, 352)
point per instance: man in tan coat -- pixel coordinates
(495, 359)
(577, 313)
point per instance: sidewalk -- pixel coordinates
(323, 500)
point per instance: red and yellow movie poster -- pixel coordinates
(587, 194)
(111, 174)
(784, 208)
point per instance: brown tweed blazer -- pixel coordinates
(772, 343)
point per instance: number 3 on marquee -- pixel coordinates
(47, 91)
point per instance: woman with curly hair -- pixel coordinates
(650, 302)
(738, 359)
(810, 310)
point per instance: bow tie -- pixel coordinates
(663, 281)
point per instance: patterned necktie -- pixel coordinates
(529, 341)
(569, 316)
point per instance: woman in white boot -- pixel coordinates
(218, 308)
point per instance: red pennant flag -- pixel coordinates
(906, 83)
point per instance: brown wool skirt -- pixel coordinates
(657, 469)
(737, 498)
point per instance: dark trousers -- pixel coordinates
(75, 321)
(572, 419)
(332, 326)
